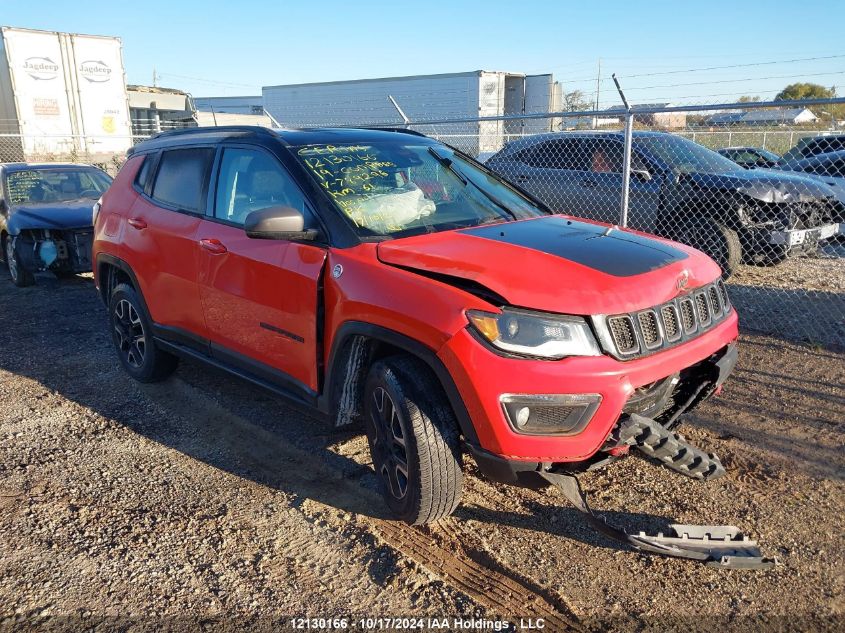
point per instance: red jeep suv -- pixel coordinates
(383, 277)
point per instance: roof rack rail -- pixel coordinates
(256, 129)
(395, 129)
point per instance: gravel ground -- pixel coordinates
(802, 298)
(202, 501)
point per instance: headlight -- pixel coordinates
(531, 334)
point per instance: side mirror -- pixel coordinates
(642, 174)
(278, 223)
(3, 208)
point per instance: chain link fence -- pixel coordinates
(758, 187)
(66, 149)
(763, 195)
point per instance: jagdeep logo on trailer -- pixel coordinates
(41, 68)
(94, 71)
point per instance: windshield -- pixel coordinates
(55, 185)
(397, 188)
(685, 156)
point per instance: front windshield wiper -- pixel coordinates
(449, 164)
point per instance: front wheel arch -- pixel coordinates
(379, 342)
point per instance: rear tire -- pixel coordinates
(132, 337)
(414, 440)
(20, 276)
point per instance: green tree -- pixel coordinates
(748, 99)
(575, 101)
(827, 113)
(805, 91)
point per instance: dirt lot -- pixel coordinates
(204, 501)
(803, 297)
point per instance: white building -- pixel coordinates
(459, 96)
(231, 105)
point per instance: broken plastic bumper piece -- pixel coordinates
(722, 546)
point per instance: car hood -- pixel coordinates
(53, 215)
(836, 184)
(765, 185)
(557, 264)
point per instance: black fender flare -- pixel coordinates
(349, 329)
(111, 260)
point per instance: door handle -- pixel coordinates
(215, 247)
(137, 223)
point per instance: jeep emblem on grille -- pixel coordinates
(683, 280)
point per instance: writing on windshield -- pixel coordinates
(391, 188)
(59, 185)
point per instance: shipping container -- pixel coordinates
(62, 96)
(473, 94)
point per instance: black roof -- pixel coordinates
(307, 136)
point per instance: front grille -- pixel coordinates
(622, 330)
(644, 332)
(715, 300)
(703, 309)
(723, 292)
(671, 323)
(651, 331)
(688, 315)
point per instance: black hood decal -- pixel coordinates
(608, 250)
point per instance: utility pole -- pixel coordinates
(155, 78)
(598, 88)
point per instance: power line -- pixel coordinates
(729, 81)
(208, 81)
(709, 68)
(769, 63)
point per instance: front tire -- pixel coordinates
(414, 440)
(132, 337)
(718, 241)
(20, 276)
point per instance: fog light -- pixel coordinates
(540, 414)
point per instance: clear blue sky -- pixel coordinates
(234, 47)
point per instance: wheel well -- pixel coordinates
(110, 276)
(350, 365)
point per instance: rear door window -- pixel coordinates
(181, 178)
(143, 176)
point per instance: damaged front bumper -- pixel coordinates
(66, 251)
(798, 237)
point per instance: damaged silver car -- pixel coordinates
(46, 218)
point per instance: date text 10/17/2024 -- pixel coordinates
(416, 624)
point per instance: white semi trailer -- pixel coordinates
(480, 93)
(62, 96)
